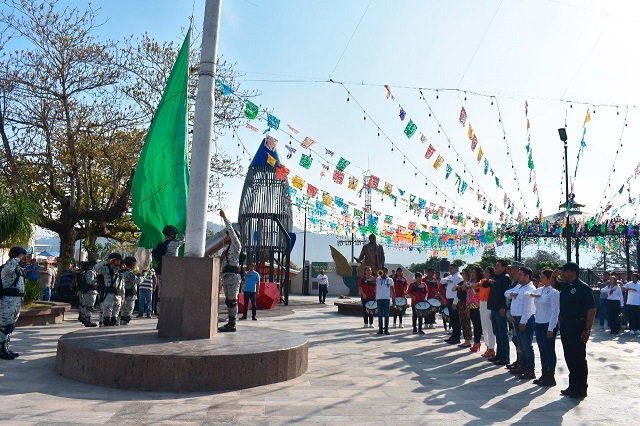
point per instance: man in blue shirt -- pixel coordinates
(251, 279)
(30, 270)
(67, 278)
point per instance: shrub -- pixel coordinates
(31, 292)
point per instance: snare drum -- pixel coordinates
(434, 302)
(445, 314)
(422, 308)
(400, 303)
(372, 307)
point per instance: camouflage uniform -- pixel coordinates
(89, 295)
(114, 290)
(231, 280)
(130, 290)
(10, 305)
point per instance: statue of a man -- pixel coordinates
(373, 255)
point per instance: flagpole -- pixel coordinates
(202, 133)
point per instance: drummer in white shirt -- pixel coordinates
(632, 288)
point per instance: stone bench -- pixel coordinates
(53, 314)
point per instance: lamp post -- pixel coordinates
(563, 137)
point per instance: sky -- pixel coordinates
(563, 58)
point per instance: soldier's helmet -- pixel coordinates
(114, 256)
(16, 251)
(170, 230)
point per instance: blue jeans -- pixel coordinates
(383, 312)
(249, 296)
(144, 304)
(499, 324)
(45, 294)
(547, 348)
(603, 313)
(525, 342)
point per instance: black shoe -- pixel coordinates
(387, 333)
(4, 352)
(502, 362)
(415, 331)
(421, 332)
(15, 354)
(379, 332)
(549, 381)
(578, 395)
(540, 379)
(242, 318)
(493, 359)
(453, 342)
(254, 319)
(566, 391)
(90, 324)
(139, 316)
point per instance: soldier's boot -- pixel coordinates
(228, 327)
(81, 317)
(15, 354)
(114, 320)
(87, 322)
(4, 352)
(125, 320)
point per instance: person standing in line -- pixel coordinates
(497, 304)
(485, 314)
(231, 273)
(88, 287)
(46, 279)
(632, 288)
(577, 313)
(604, 293)
(512, 271)
(11, 300)
(323, 286)
(473, 306)
(463, 312)
(527, 324)
(615, 302)
(432, 292)
(384, 294)
(251, 279)
(516, 307)
(112, 293)
(418, 293)
(400, 286)
(367, 289)
(145, 291)
(130, 283)
(547, 310)
(451, 282)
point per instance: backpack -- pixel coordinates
(82, 282)
(12, 290)
(157, 253)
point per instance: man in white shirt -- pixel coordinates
(323, 286)
(515, 310)
(526, 308)
(384, 294)
(451, 282)
(632, 288)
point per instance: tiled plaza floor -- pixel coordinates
(354, 377)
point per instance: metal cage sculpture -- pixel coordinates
(265, 218)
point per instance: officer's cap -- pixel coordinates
(570, 266)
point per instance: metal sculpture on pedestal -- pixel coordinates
(265, 217)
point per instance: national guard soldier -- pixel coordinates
(231, 274)
(11, 293)
(130, 289)
(169, 247)
(88, 287)
(577, 313)
(113, 290)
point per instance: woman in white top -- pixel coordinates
(633, 302)
(547, 309)
(615, 301)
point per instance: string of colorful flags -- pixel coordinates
(530, 163)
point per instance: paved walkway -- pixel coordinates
(354, 377)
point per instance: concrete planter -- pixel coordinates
(54, 314)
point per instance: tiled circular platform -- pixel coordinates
(137, 359)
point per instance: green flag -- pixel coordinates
(161, 180)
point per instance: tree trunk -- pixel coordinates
(90, 246)
(68, 238)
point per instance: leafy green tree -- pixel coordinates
(543, 259)
(489, 258)
(432, 262)
(17, 217)
(459, 262)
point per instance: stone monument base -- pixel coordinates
(135, 358)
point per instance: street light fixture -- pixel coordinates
(562, 132)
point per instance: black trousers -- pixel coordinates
(414, 318)
(454, 320)
(575, 354)
(613, 309)
(634, 317)
(322, 292)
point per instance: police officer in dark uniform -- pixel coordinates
(577, 313)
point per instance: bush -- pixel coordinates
(31, 292)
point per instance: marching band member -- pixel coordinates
(418, 293)
(367, 288)
(400, 286)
